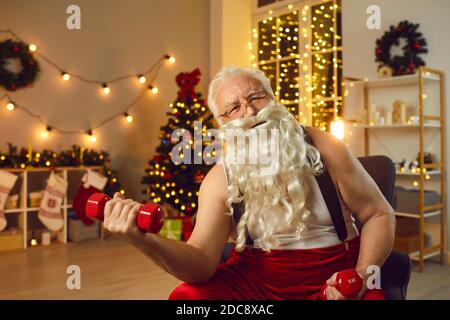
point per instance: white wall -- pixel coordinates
(230, 25)
(117, 38)
(359, 41)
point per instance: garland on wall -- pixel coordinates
(74, 157)
(11, 81)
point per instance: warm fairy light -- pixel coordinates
(46, 132)
(34, 242)
(10, 106)
(122, 191)
(91, 136)
(154, 89)
(32, 47)
(142, 79)
(106, 89)
(128, 117)
(170, 58)
(65, 76)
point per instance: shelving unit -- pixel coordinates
(24, 210)
(437, 170)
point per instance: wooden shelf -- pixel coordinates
(416, 83)
(417, 215)
(428, 253)
(20, 210)
(398, 126)
(412, 79)
(24, 192)
(417, 174)
(47, 169)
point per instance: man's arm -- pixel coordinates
(198, 258)
(362, 196)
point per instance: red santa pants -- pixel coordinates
(254, 274)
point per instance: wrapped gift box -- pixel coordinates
(172, 229)
(11, 239)
(78, 231)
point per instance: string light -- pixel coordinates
(128, 117)
(142, 79)
(106, 89)
(153, 89)
(32, 47)
(46, 132)
(65, 76)
(170, 58)
(10, 106)
(91, 136)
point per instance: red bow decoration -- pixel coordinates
(186, 81)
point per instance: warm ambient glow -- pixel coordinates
(337, 129)
(170, 58)
(154, 89)
(46, 132)
(128, 117)
(106, 89)
(32, 47)
(65, 76)
(10, 106)
(91, 136)
(142, 79)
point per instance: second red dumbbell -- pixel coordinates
(349, 284)
(150, 217)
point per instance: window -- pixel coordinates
(299, 48)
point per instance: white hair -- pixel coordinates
(228, 72)
(275, 200)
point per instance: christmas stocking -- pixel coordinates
(92, 182)
(7, 181)
(50, 210)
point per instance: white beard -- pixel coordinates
(274, 194)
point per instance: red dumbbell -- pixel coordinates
(349, 284)
(150, 217)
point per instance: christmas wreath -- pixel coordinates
(415, 45)
(11, 81)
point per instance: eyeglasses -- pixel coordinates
(255, 100)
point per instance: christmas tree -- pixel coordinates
(177, 182)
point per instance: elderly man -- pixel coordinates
(286, 244)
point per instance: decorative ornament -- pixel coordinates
(385, 71)
(199, 176)
(415, 45)
(12, 81)
(186, 81)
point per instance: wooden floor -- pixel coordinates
(112, 269)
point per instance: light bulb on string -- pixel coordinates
(106, 89)
(65, 76)
(128, 117)
(153, 89)
(141, 78)
(32, 47)
(10, 106)
(170, 58)
(46, 132)
(91, 136)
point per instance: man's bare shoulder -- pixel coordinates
(215, 181)
(330, 147)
